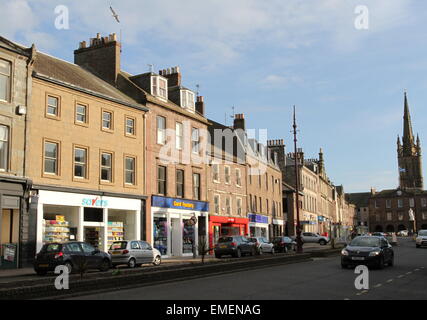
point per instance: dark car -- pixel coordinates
(74, 255)
(284, 244)
(371, 251)
(235, 246)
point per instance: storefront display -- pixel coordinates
(93, 236)
(187, 236)
(258, 225)
(160, 234)
(115, 232)
(226, 226)
(56, 230)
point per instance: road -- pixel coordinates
(322, 278)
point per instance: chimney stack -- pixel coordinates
(239, 121)
(101, 57)
(200, 105)
(173, 75)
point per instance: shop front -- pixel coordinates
(12, 204)
(178, 224)
(258, 225)
(95, 219)
(278, 228)
(226, 226)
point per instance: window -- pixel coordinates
(389, 216)
(159, 87)
(52, 106)
(260, 204)
(5, 79)
(424, 202)
(377, 218)
(106, 166)
(196, 186)
(238, 177)
(4, 147)
(215, 172)
(400, 216)
(376, 204)
(51, 157)
(195, 140)
(180, 183)
(130, 170)
(400, 203)
(130, 126)
(179, 136)
(424, 215)
(81, 113)
(216, 204)
(228, 205)
(161, 130)
(161, 180)
(187, 99)
(227, 174)
(266, 181)
(80, 162)
(268, 207)
(107, 120)
(239, 206)
(388, 203)
(412, 202)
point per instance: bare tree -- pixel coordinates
(203, 247)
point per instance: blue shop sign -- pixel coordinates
(257, 218)
(177, 203)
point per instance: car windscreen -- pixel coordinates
(225, 239)
(120, 245)
(422, 233)
(52, 247)
(365, 242)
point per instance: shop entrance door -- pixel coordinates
(176, 237)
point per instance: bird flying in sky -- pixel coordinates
(115, 15)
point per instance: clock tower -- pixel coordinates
(409, 154)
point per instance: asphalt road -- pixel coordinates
(319, 279)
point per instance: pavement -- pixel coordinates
(322, 278)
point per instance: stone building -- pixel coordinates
(15, 91)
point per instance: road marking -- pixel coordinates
(401, 276)
(389, 280)
(421, 267)
(417, 270)
(378, 285)
(410, 272)
(346, 299)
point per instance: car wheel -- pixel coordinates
(272, 251)
(285, 249)
(157, 260)
(132, 263)
(41, 272)
(238, 253)
(105, 265)
(260, 251)
(322, 242)
(69, 266)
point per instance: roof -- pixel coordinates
(390, 193)
(72, 75)
(13, 46)
(360, 199)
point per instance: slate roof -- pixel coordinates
(360, 199)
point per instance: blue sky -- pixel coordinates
(265, 56)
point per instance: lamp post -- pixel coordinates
(298, 237)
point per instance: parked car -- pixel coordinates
(74, 255)
(134, 253)
(370, 251)
(235, 246)
(421, 239)
(310, 237)
(379, 234)
(403, 233)
(262, 245)
(284, 244)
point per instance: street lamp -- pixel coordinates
(298, 237)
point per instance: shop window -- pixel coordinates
(160, 234)
(196, 186)
(130, 170)
(187, 236)
(106, 166)
(130, 126)
(107, 120)
(161, 180)
(51, 157)
(4, 147)
(180, 183)
(80, 162)
(81, 113)
(5, 79)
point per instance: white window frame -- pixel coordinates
(195, 140)
(389, 216)
(238, 177)
(423, 202)
(8, 81)
(227, 177)
(217, 205)
(229, 207)
(161, 132)
(179, 135)
(215, 172)
(4, 163)
(239, 208)
(188, 100)
(156, 88)
(388, 203)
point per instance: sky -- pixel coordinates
(263, 57)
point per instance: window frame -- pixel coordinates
(165, 181)
(227, 177)
(7, 153)
(101, 167)
(195, 144)
(216, 172)
(111, 128)
(218, 205)
(86, 106)
(198, 195)
(56, 116)
(162, 130)
(238, 177)
(179, 138)
(127, 134)
(9, 82)
(125, 170)
(180, 184)
(239, 209)
(56, 174)
(86, 164)
(156, 89)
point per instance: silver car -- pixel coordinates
(263, 245)
(133, 253)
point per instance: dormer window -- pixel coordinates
(187, 100)
(159, 87)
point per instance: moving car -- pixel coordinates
(284, 244)
(421, 239)
(262, 245)
(235, 246)
(370, 251)
(75, 255)
(134, 253)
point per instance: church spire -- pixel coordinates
(408, 136)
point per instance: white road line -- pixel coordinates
(401, 276)
(378, 285)
(389, 280)
(346, 299)
(417, 270)
(410, 272)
